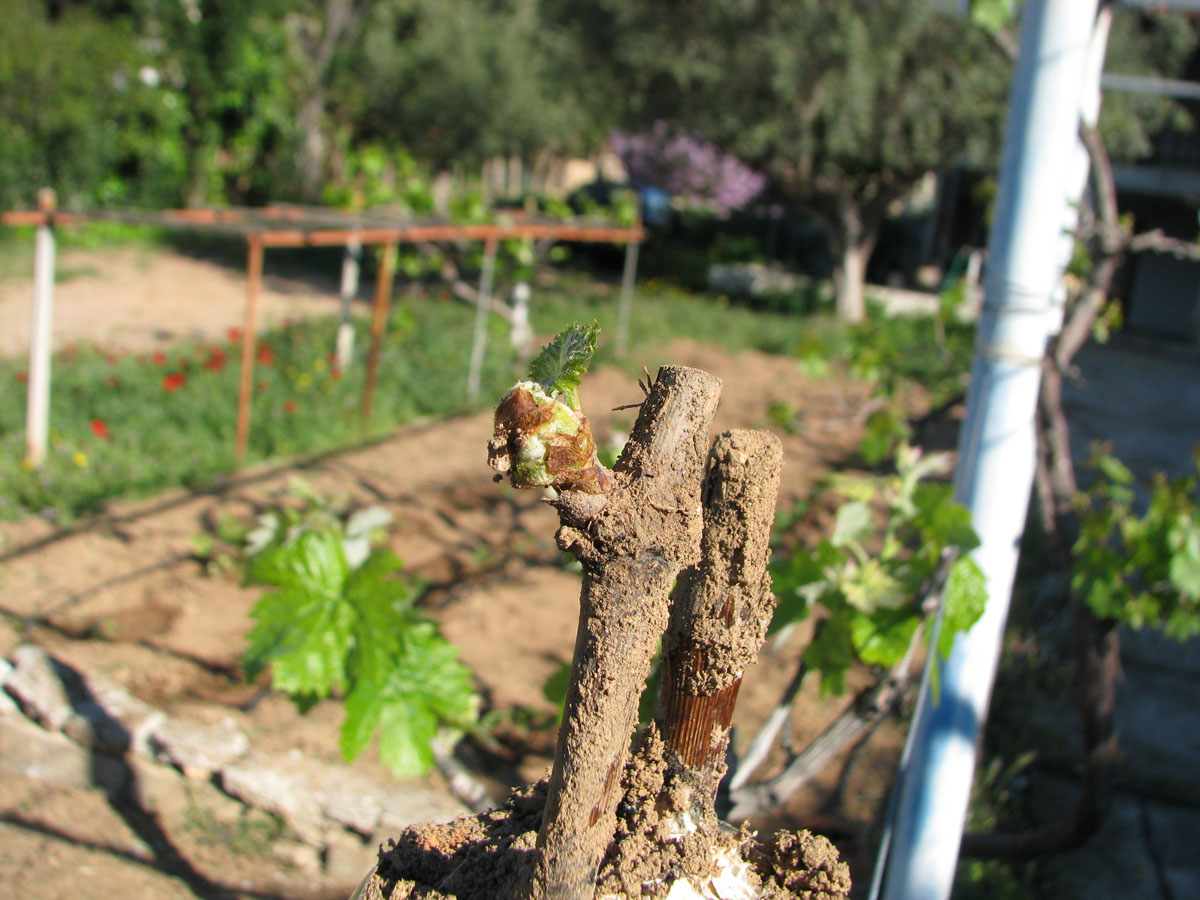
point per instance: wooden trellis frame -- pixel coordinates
(299, 226)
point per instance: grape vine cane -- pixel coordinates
(633, 531)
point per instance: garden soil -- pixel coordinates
(124, 595)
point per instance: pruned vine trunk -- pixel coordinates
(720, 612)
(632, 543)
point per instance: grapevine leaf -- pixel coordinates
(881, 639)
(555, 688)
(364, 707)
(564, 361)
(314, 562)
(801, 582)
(383, 607)
(831, 653)
(372, 590)
(871, 586)
(940, 519)
(426, 688)
(1184, 566)
(304, 638)
(1114, 470)
(853, 523)
(993, 16)
(965, 598)
(302, 630)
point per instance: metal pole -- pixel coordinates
(254, 267)
(1022, 309)
(383, 299)
(626, 308)
(482, 302)
(37, 399)
(349, 290)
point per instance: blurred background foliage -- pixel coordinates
(190, 102)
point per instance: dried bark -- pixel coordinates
(632, 542)
(720, 611)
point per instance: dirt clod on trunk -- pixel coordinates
(485, 857)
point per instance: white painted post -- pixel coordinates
(521, 333)
(349, 290)
(482, 302)
(626, 308)
(37, 402)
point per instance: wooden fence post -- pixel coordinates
(37, 400)
(345, 332)
(626, 307)
(482, 302)
(383, 299)
(254, 267)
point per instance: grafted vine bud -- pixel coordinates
(541, 437)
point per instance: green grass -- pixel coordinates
(133, 425)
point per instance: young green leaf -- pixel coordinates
(303, 629)
(424, 688)
(881, 638)
(564, 361)
(940, 519)
(304, 637)
(965, 597)
(830, 652)
(853, 524)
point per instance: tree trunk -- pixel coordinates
(310, 163)
(852, 237)
(851, 279)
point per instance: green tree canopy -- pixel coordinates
(843, 104)
(462, 80)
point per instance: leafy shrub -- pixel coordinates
(873, 600)
(1139, 570)
(341, 620)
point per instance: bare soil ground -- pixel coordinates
(123, 595)
(139, 299)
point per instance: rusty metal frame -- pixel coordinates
(290, 225)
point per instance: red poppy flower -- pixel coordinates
(174, 381)
(22, 377)
(266, 354)
(235, 335)
(160, 359)
(289, 406)
(100, 429)
(216, 360)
